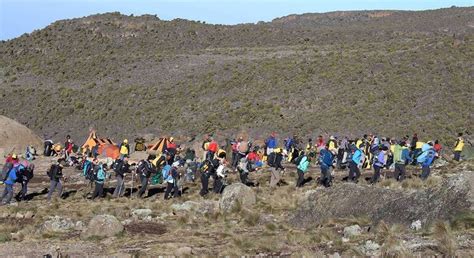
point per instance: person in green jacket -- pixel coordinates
(302, 166)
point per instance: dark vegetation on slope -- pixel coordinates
(387, 72)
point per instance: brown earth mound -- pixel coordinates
(15, 137)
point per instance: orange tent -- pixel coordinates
(159, 146)
(92, 141)
(109, 151)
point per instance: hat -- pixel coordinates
(14, 156)
(175, 164)
(171, 139)
(125, 141)
(277, 150)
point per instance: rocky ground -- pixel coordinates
(410, 218)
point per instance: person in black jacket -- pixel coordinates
(121, 167)
(144, 170)
(274, 161)
(55, 174)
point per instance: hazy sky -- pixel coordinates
(24, 16)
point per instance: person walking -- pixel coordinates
(121, 167)
(379, 163)
(302, 167)
(274, 161)
(144, 169)
(124, 149)
(458, 147)
(100, 176)
(355, 163)
(55, 174)
(401, 157)
(9, 183)
(326, 159)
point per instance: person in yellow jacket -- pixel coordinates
(458, 147)
(124, 149)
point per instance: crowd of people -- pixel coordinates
(175, 165)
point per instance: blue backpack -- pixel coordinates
(326, 158)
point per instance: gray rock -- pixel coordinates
(29, 215)
(416, 225)
(103, 226)
(185, 250)
(237, 193)
(141, 213)
(58, 224)
(203, 207)
(352, 231)
(400, 206)
(79, 226)
(440, 163)
(186, 206)
(19, 215)
(4, 215)
(370, 247)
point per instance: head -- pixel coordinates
(125, 159)
(460, 134)
(436, 142)
(14, 156)
(95, 161)
(273, 134)
(171, 139)
(68, 137)
(125, 141)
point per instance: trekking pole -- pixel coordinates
(131, 187)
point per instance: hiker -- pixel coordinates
(100, 176)
(438, 148)
(320, 144)
(458, 147)
(121, 167)
(243, 149)
(29, 153)
(172, 149)
(144, 169)
(401, 157)
(95, 151)
(379, 163)
(55, 174)
(274, 161)
(205, 146)
(124, 149)
(9, 182)
(332, 144)
(221, 174)
(26, 174)
(426, 158)
(206, 170)
(48, 148)
(67, 147)
(244, 169)
(271, 143)
(170, 182)
(212, 149)
(356, 162)
(326, 158)
(302, 163)
(341, 154)
(235, 152)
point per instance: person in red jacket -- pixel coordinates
(437, 147)
(212, 149)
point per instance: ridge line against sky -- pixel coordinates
(24, 16)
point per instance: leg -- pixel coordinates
(397, 172)
(96, 191)
(119, 188)
(273, 177)
(169, 187)
(402, 172)
(24, 189)
(351, 171)
(457, 155)
(299, 182)
(144, 182)
(376, 175)
(425, 172)
(52, 187)
(9, 195)
(101, 191)
(175, 190)
(204, 184)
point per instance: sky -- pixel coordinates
(24, 16)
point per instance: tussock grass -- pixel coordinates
(444, 238)
(389, 238)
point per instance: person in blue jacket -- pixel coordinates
(8, 192)
(355, 163)
(326, 159)
(100, 175)
(379, 163)
(426, 159)
(302, 168)
(170, 176)
(271, 143)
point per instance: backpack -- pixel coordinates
(29, 172)
(298, 159)
(326, 158)
(19, 170)
(86, 169)
(271, 159)
(425, 155)
(117, 166)
(53, 171)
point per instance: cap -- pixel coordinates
(14, 156)
(125, 141)
(175, 164)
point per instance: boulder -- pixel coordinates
(416, 225)
(237, 193)
(183, 251)
(58, 224)
(29, 215)
(352, 231)
(400, 206)
(141, 213)
(370, 248)
(103, 226)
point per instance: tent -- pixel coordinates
(109, 151)
(159, 146)
(92, 141)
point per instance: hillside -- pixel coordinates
(388, 72)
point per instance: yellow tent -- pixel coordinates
(92, 141)
(159, 146)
